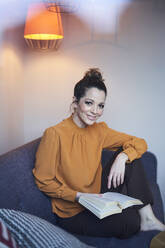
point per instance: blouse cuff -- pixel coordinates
(131, 153)
(68, 194)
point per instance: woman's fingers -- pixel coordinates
(115, 180)
(112, 180)
(118, 180)
(116, 175)
(109, 180)
(122, 178)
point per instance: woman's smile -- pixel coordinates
(92, 118)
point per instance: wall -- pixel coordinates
(11, 101)
(36, 87)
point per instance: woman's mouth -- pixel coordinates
(92, 118)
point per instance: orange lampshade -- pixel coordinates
(42, 28)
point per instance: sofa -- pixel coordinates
(20, 199)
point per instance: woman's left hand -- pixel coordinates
(117, 171)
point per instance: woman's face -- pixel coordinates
(90, 107)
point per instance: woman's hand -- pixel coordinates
(117, 171)
(87, 194)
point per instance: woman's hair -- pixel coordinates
(92, 79)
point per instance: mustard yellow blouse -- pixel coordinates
(68, 160)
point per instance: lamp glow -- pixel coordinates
(43, 29)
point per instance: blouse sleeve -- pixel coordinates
(134, 147)
(47, 160)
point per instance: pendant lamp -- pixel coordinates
(43, 29)
(65, 6)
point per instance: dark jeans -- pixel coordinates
(121, 225)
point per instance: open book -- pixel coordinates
(108, 203)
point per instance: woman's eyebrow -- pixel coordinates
(89, 99)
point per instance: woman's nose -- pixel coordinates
(94, 109)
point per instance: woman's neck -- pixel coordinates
(78, 121)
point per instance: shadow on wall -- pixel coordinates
(13, 38)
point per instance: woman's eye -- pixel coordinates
(101, 106)
(88, 103)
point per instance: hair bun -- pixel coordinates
(93, 73)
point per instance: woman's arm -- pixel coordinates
(47, 160)
(133, 146)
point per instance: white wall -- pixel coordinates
(36, 88)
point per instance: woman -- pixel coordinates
(68, 165)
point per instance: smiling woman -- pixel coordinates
(89, 104)
(68, 166)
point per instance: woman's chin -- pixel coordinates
(90, 122)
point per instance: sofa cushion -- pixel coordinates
(6, 239)
(16, 179)
(34, 232)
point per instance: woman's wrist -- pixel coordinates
(123, 156)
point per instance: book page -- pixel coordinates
(124, 201)
(99, 202)
(100, 213)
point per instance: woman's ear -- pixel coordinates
(73, 104)
(74, 99)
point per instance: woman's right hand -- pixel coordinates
(87, 194)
